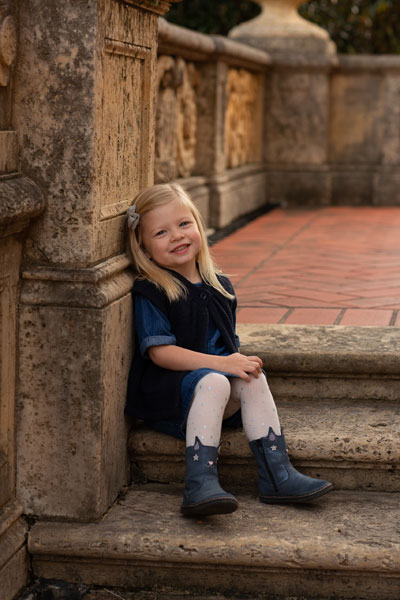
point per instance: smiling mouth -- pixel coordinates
(180, 248)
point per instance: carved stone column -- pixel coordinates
(20, 200)
(84, 105)
(297, 117)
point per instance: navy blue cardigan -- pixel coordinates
(154, 392)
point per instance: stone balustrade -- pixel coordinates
(209, 121)
(273, 115)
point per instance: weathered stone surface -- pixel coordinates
(386, 188)
(211, 104)
(8, 44)
(235, 193)
(279, 29)
(342, 546)
(86, 131)
(357, 109)
(297, 186)
(84, 108)
(71, 430)
(355, 446)
(297, 116)
(326, 362)
(95, 287)
(176, 119)
(352, 187)
(331, 349)
(13, 553)
(20, 201)
(8, 152)
(243, 118)
(192, 45)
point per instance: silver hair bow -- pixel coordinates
(133, 217)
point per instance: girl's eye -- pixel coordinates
(184, 223)
(160, 232)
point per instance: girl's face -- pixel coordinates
(171, 238)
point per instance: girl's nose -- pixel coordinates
(177, 234)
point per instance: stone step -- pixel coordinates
(345, 545)
(355, 445)
(338, 396)
(327, 362)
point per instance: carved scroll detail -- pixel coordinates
(8, 48)
(176, 119)
(242, 118)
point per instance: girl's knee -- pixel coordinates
(218, 384)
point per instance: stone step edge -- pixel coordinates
(300, 349)
(95, 541)
(381, 453)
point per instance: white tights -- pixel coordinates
(216, 397)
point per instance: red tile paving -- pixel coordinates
(318, 266)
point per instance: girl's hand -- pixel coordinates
(241, 365)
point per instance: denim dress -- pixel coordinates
(154, 329)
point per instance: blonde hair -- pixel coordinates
(149, 199)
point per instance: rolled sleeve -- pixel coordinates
(155, 340)
(152, 327)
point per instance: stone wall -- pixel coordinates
(333, 131)
(364, 133)
(209, 121)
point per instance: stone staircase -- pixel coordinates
(338, 396)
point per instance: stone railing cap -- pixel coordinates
(193, 45)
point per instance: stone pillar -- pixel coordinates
(20, 200)
(84, 105)
(297, 116)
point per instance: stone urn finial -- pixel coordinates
(279, 29)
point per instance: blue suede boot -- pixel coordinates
(279, 482)
(203, 494)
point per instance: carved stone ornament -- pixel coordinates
(176, 119)
(242, 118)
(8, 48)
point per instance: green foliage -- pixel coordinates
(356, 26)
(212, 16)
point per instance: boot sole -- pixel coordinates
(216, 506)
(297, 499)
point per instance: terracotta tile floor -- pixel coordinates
(323, 266)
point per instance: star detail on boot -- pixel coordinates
(273, 448)
(196, 457)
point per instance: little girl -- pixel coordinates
(187, 377)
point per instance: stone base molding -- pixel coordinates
(75, 344)
(236, 193)
(14, 562)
